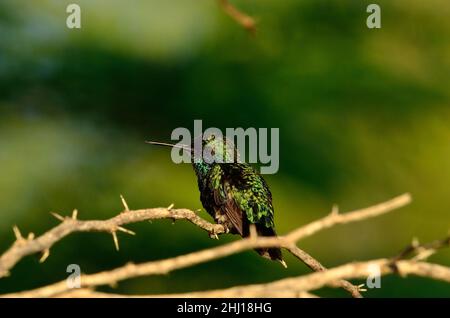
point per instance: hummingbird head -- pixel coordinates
(211, 150)
(215, 149)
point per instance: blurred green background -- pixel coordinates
(364, 115)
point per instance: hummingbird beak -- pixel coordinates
(157, 143)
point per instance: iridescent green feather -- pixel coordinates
(248, 189)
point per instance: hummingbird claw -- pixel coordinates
(214, 236)
(283, 263)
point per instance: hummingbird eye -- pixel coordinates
(209, 139)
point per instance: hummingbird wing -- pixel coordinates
(253, 195)
(222, 197)
(243, 196)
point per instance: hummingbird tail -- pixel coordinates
(270, 253)
(273, 254)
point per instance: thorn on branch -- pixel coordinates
(115, 239)
(75, 214)
(44, 256)
(213, 236)
(170, 207)
(283, 263)
(361, 288)
(17, 233)
(423, 254)
(130, 266)
(122, 229)
(58, 216)
(415, 242)
(124, 203)
(334, 210)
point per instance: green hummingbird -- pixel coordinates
(231, 191)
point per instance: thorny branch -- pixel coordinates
(419, 252)
(301, 285)
(31, 245)
(23, 247)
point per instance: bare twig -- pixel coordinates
(335, 218)
(240, 17)
(165, 266)
(421, 252)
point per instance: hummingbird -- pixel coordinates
(232, 192)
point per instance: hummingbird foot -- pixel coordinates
(213, 236)
(282, 263)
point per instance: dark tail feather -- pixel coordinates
(269, 253)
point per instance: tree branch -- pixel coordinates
(298, 286)
(335, 217)
(24, 247)
(357, 270)
(314, 281)
(266, 293)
